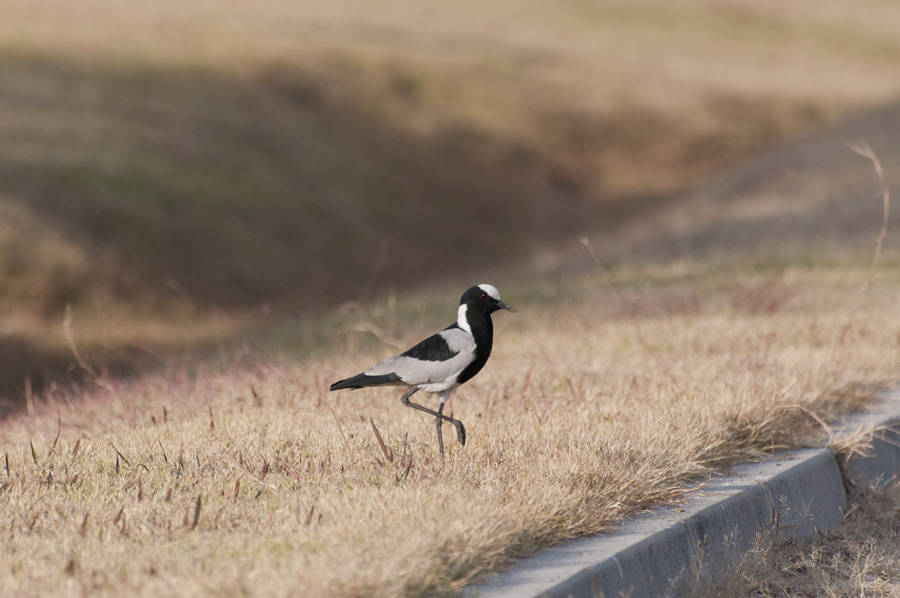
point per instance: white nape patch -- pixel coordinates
(490, 290)
(461, 320)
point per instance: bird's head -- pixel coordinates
(484, 298)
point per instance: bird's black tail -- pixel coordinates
(363, 380)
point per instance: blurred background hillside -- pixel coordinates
(175, 173)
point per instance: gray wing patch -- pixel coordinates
(414, 371)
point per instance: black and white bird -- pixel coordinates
(442, 362)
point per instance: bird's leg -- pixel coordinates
(438, 422)
(405, 400)
(460, 430)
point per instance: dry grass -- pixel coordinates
(238, 156)
(860, 557)
(604, 396)
(283, 139)
(115, 122)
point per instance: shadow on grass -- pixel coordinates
(32, 373)
(31, 370)
(284, 186)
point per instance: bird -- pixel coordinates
(443, 361)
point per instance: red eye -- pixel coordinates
(484, 296)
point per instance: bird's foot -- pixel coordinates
(460, 433)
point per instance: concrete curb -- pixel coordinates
(659, 553)
(882, 463)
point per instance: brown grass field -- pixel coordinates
(604, 397)
(209, 214)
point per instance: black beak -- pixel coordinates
(501, 305)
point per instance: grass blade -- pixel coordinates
(58, 429)
(119, 453)
(197, 512)
(388, 453)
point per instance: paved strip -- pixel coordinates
(658, 553)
